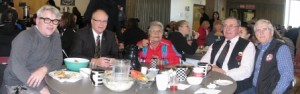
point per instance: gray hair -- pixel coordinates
(237, 21)
(156, 23)
(264, 21)
(50, 8)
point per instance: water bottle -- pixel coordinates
(131, 53)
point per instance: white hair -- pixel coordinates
(264, 21)
(156, 23)
(50, 8)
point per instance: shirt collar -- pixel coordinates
(233, 40)
(96, 34)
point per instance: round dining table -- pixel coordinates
(85, 86)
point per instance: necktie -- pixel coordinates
(97, 48)
(223, 55)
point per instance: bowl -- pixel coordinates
(74, 64)
(144, 84)
(118, 85)
(194, 80)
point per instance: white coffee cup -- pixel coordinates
(198, 71)
(162, 81)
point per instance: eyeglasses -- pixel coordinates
(100, 21)
(230, 26)
(156, 31)
(48, 21)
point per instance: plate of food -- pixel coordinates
(65, 76)
(223, 82)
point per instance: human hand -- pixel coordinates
(121, 45)
(45, 90)
(37, 76)
(196, 35)
(217, 69)
(104, 62)
(145, 42)
(189, 42)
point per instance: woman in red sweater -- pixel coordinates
(157, 47)
(203, 31)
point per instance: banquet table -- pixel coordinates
(84, 86)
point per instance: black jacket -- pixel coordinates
(84, 44)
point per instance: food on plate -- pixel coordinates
(63, 75)
(139, 76)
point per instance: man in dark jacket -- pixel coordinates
(273, 71)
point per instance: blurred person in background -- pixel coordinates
(67, 31)
(133, 33)
(178, 38)
(79, 20)
(245, 32)
(203, 31)
(170, 28)
(215, 18)
(216, 34)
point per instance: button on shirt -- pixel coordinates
(285, 67)
(247, 62)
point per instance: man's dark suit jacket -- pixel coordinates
(84, 44)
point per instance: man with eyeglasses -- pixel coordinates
(233, 56)
(273, 71)
(96, 43)
(34, 53)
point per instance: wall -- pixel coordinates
(272, 10)
(80, 4)
(183, 10)
(34, 6)
(148, 10)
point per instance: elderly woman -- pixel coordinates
(157, 47)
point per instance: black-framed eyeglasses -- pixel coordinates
(48, 21)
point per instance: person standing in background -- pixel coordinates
(204, 16)
(215, 18)
(79, 20)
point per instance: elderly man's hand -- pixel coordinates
(217, 69)
(37, 76)
(103, 62)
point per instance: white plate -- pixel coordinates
(72, 76)
(223, 82)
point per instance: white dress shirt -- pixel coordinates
(247, 62)
(96, 35)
